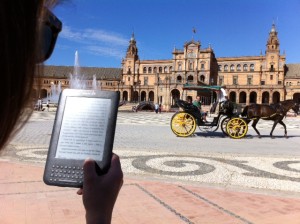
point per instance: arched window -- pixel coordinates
(165, 69)
(190, 78)
(179, 78)
(231, 68)
(179, 67)
(160, 69)
(219, 67)
(238, 67)
(245, 67)
(149, 70)
(190, 65)
(202, 66)
(202, 78)
(225, 68)
(252, 67)
(144, 70)
(170, 68)
(154, 70)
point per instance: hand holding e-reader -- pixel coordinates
(84, 127)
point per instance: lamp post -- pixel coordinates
(157, 74)
(139, 90)
(119, 85)
(211, 97)
(134, 93)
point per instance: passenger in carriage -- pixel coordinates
(222, 99)
(198, 104)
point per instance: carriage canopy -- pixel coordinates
(204, 89)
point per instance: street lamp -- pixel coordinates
(211, 97)
(139, 90)
(119, 85)
(157, 74)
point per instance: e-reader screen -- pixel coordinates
(83, 128)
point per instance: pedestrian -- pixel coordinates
(48, 105)
(156, 106)
(24, 42)
(39, 102)
(159, 108)
(42, 109)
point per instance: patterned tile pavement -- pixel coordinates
(162, 185)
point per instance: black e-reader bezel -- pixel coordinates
(69, 172)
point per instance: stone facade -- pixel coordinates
(265, 78)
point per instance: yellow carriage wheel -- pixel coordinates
(183, 124)
(237, 128)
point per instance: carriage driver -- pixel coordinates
(223, 98)
(198, 104)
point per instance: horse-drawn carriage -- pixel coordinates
(232, 122)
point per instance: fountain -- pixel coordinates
(76, 79)
(55, 92)
(94, 83)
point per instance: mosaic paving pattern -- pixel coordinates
(250, 172)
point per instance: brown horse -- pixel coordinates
(275, 112)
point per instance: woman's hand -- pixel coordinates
(99, 193)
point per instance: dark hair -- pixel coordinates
(18, 52)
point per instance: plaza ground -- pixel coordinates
(207, 178)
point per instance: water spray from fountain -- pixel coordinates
(76, 79)
(94, 83)
(55, 92)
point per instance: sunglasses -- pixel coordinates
(50, 26)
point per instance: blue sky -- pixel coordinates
(100, 29)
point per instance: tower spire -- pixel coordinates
(273, 41)
(132, 50)
(132, 36)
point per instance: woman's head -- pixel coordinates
(19, 52)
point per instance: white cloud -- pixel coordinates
(95, 41)
(93, 36)
(69, 34)
(106, 51)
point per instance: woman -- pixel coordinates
(28, 35)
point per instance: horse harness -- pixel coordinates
(279, 111)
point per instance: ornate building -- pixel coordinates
(162, 80)
(247, 79)
(265, 78)
(255, 79)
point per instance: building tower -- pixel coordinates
(274, 65)
(130, 74)
(272, 51)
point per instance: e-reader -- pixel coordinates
(84, 127)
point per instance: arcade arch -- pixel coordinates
(253, 97)
(276, 97)
(175, 94)
(242, 97)
(265, 97)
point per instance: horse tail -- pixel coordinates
(245, 111)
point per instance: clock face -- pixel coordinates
(191, 54)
